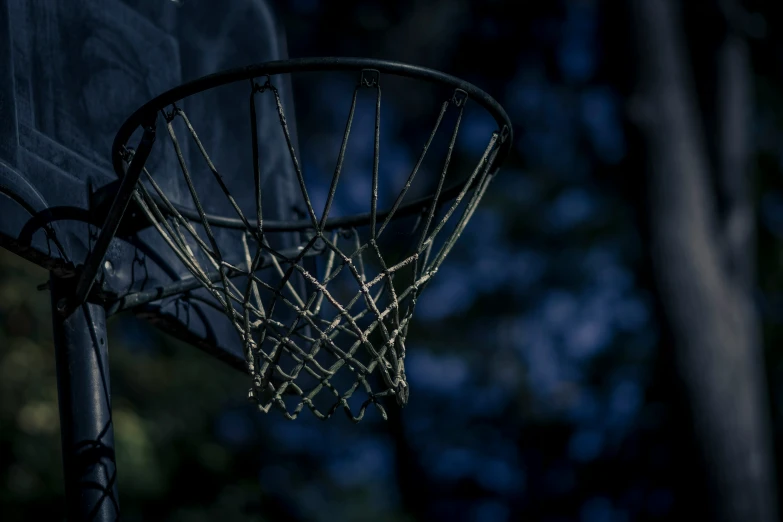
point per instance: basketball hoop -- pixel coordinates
(327, 317)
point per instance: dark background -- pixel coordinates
(548, 380)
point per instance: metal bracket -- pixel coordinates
(459, 98)
(370, 78)
(261, 87)
(116, 212)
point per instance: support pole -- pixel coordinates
(84, 397)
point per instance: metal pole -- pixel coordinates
(86, 426)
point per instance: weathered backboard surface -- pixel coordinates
(70, 73)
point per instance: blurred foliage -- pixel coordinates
(29, 422)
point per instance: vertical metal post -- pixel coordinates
(84, 396)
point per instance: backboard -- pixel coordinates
(70, 73)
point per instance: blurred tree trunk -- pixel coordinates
(702, 246)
